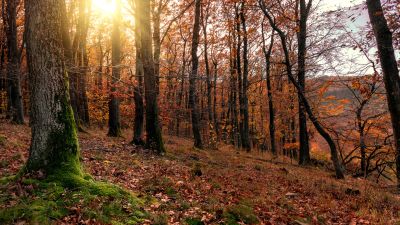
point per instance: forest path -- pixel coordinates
(190, 185)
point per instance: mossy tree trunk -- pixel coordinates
(153, 128)
(54, 143)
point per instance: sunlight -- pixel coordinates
(105, 7)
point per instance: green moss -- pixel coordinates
(240, 213)
(194, 221)
(62, 153)
(51, 200)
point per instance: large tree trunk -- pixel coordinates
(193, 78)
(153, 128)
(114, 126)
(390, 70)
(54, 143)
(245, 101)
(301, 77)
(138, 90)
(13, 65)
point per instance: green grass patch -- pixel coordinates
(194, 221)
(46, 201)
(240, 213)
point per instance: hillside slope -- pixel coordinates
(214, 186)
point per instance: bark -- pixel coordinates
(114, 117)
(54, 143)
(363, 147)
(193, 78)
(157, 42)
(138, 90)
(301, 77)
(13, 64)
(77, 61)
(207, 65)
(267, 55)
(245, 101)
(153, 127)
(339, 169)
(390, 70)
(239, 73)
(215, 114)
(83, 61)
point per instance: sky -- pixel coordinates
(335, 4)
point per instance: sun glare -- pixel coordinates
(105, 7)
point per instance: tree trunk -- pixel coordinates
(215, 114)
(181, 90)
(153, 127)
(207, 65)
(83, 61)
(138, 90)
(301, 77)
(54, 145)
(271, 108)
(193, 78)
(157, 43)
(99, 77)
(114, 117)
(362, 146)
(239, 78)
(245, 101)
(390, 70)
(13, 65)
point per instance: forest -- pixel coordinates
(200, 112)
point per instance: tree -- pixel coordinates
(304, 12)
(13, 65)
(318, 126)
(244, 106)
(390, 70)
(138, 89)
(153, 130)
(114, 117)
(267, 55)
(193, 78)
(54, 145)
(75, 51)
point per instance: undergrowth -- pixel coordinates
(73, 199)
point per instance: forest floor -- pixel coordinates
(192, 186)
